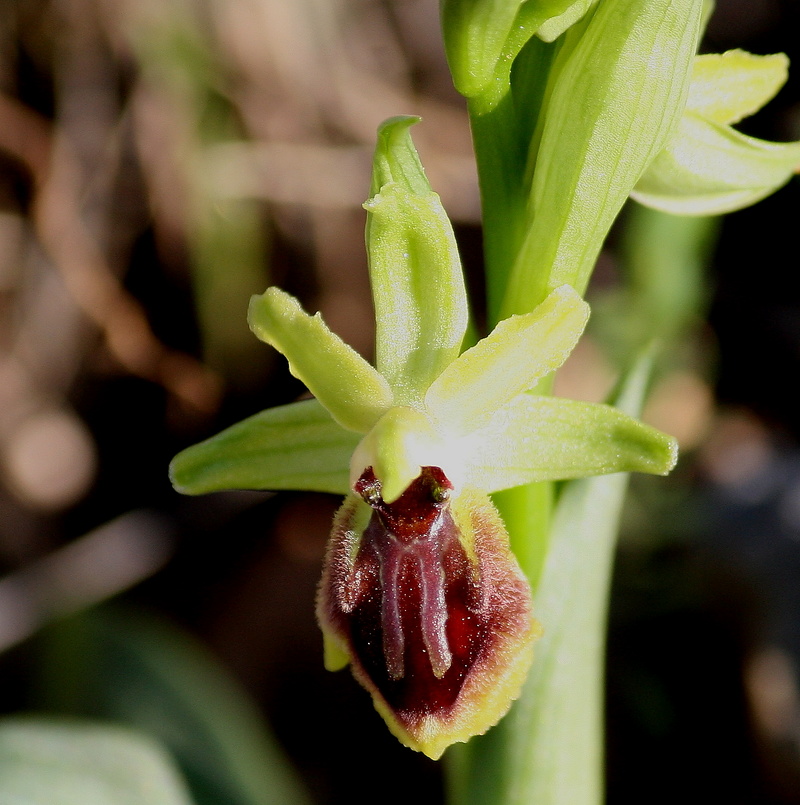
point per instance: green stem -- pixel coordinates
(500, 163)
(505, 138)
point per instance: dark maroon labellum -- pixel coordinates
(421, 606)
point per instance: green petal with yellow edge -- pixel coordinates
(348, 386)
(511, 359)
(432, 608)
(296, 446)
(727, 87)
(709, 169)
(415, 269)
(551, 439)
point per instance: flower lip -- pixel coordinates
(430, 606)
(412, 533)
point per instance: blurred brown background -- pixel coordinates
(162, 160)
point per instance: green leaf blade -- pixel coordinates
(552, 741)
(71, 762)
(296, 446)
(610, 112)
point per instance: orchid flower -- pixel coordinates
(421, 593)
(707, 167)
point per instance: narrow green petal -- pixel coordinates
(295, 446)
(551, 439)
(353, 391)
(517, 353)
(708, 169)
(727, 87)
(415, 269)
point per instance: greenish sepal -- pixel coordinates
(727, 87)
(350, 388)
(709, 169)
(396, 160)
(511, 359)
(610, 112)
(415, 270)
(397, 448)
(538, 438)
(296, 446)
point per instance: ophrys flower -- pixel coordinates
(420, 590)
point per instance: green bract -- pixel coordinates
(707, 167)
(425, 405)
(614, 98)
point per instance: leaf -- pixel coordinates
(415, 269)
(141, 671)
(518, 352)
(550, 439)
(709, 169)
(549, 749)
(296, 446)
(46, 761)
(610, 112)
(727, 87)
(349, 387)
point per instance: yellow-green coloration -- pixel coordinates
(421, 593)
(708, 168)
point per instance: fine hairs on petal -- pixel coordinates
(432, 607)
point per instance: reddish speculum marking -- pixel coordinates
(415, 611)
